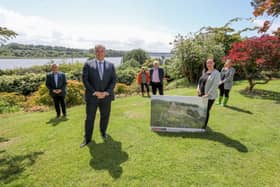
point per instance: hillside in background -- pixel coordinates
(46, 51)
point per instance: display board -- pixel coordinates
(178, 113)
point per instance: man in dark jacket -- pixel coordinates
(99, 78)
(156, 76)
(56, 83)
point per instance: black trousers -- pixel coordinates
(59, 103)
(104, 106)
(157, 86)
(223, 91)
(209, 106)
(147, 87)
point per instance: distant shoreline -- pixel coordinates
(40, 57)
(13, 63)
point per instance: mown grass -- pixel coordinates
(241, 147)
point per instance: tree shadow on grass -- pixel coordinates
(55, 121)
(11, 166)
(108, 156)
(262, 94)
(210, 135)
(2, 139)
(238, 109)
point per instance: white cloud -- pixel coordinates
(39, 30)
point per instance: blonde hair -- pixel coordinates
(227, 62)
(155, 62)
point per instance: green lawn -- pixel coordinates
(241, 148)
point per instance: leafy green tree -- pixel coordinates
(226, 35)
(6, 34)
(190, 52)
(137, 54)
(129, 64)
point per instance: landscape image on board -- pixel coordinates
(178, 111)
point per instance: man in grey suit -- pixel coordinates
(56, 83)
(99, 78)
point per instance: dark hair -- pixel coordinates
(205, 69)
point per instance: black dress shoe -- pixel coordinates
(104, 136)
(83, 144)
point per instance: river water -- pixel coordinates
(26, 62)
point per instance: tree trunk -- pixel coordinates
(251, 84)
(249, 78)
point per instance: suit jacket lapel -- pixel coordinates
(92, 64)
(105, 69)
(58, 79)
(52, 79)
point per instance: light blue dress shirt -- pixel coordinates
(56, 79)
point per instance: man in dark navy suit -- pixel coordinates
(56, 83)
(99, 78)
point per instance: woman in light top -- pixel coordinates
(226, 82)
(208, 85)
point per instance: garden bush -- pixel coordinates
(126, 76)
(121, 88)
(5, 107)
(24, 84)
(10, 102)
(12, 98)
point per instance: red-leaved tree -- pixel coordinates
(257, 57)
(269, 7)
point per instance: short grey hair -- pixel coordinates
(54, 64)
(99, 46)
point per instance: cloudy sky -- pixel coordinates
(119, 24)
